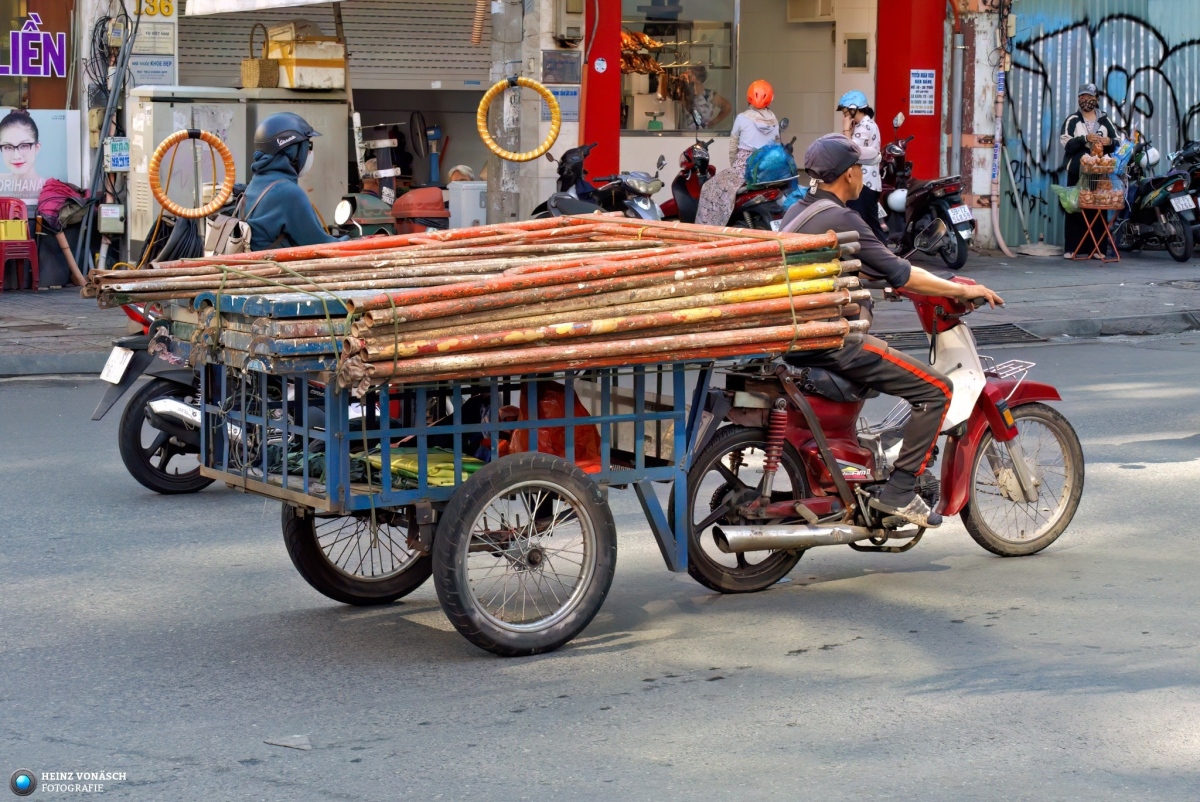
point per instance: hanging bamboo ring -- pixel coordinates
(223, 195)
(492, 94)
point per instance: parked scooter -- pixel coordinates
(1188, 160)
(791, 468)
(755, 206)
(1160, 210)
(911, 205)
(630, 193)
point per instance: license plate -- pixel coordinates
(775, 224)
(1183, 203)
(114, 368)
(961, 214)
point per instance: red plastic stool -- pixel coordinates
(19, 251)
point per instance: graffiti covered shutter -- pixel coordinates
(1144, 57)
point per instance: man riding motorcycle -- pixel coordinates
(835, 164)
(277, 209)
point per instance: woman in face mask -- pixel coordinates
(278, 210)
(1079, 132)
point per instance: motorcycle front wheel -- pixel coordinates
(1179, 244)
(152, 457)
(997, 515)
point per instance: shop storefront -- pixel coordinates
(686, 65)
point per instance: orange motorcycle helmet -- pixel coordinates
(760, 94)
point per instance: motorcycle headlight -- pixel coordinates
(644, 186)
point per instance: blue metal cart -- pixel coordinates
(447, 480)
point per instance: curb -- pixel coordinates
(1131, 326)
(51, 364)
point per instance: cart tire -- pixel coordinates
(139, 458)
(508, 534)
(703, 564)
(380, 576)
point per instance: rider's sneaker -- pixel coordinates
(915, 512)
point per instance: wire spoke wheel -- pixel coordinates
(725, 476)
(359, 559)
(997, 515)
(524, 554)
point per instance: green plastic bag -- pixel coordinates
(1068, 197)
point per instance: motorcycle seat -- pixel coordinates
(917, 184)
(827, 384)
(561, 203)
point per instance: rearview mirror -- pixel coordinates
(549, 157)
(661, 163)
(784, 123)
(898, 120)
(343, 212)
(696, 118)
(930, 238)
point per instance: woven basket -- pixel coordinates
(259, 73)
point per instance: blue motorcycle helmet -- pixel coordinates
(852, 101)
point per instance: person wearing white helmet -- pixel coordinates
(1081, 130)
(858, 123)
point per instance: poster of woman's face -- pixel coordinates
(36, 144)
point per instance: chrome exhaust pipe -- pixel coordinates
(735, 539)
(176, 410)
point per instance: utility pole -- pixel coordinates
(504, 117)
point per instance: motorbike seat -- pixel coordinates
(827, 384)
(684, 202)
(561, 203)
(1156, 181)
(917, 184)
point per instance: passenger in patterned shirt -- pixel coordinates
(858, 123)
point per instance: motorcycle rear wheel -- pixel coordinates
(1010, 527)
(1181, 245)
(954, 251)
(709, 487)
(161, 464)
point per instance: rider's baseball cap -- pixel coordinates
(1086, 89)
(830, 156)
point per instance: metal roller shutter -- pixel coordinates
(393, 44)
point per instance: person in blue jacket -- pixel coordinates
(276, 208)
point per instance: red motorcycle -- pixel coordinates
(793, 466)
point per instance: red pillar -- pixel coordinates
(600, 108)
(911, 38)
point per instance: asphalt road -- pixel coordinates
(168, 638)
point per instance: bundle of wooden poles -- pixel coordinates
(538, 296)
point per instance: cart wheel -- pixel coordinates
(524, 554)
(341, 557)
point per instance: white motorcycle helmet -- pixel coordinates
(897, 200)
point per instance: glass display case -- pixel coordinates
(677, 65)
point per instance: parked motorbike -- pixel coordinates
(1160, 210)
(630, 193)
(755, 206)
(159, 432)
(786, 464)
(912, 204)
(1188, 160)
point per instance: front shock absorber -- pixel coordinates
(773, 453)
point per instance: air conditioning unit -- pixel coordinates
(810, 11)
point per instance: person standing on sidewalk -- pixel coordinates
(1083, 128)
(858, 123)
